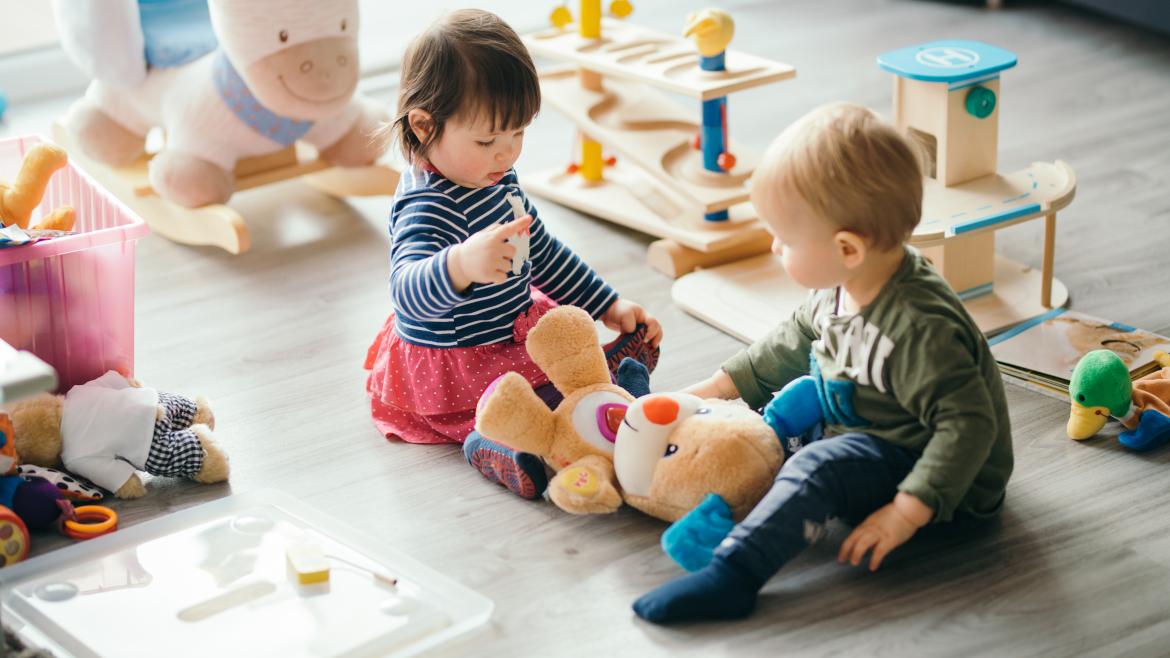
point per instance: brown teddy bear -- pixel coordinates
(109, 428)
(671, 450)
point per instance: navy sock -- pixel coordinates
(718, 591)
(633, 376)
(520, 472)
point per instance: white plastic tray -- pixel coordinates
(213, 580)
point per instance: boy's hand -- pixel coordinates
(884, 530)
(485, 257)
(624, 316)
(718, 385)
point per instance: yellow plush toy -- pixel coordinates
(22, 196)
(662, 454)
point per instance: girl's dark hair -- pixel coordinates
(470, 64)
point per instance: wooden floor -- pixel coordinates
(1080, 562)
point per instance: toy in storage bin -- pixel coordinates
(70, 300)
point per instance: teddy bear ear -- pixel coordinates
(564, 344)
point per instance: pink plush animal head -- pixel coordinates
(298, 57)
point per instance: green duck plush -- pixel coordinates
(1101, 388)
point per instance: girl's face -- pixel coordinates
(472, 155)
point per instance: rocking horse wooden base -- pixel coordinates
(220, 225)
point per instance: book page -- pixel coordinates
(1054, 346)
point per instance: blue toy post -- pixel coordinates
(712, 30)
(713, 137)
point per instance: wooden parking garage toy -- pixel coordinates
(947, 96)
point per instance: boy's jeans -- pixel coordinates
(848, 476)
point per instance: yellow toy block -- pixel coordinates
(308, 563)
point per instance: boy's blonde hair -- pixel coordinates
(852, 168)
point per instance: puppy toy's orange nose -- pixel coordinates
(660, 410)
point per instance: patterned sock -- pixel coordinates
(520, 472)
(717, 591)
(634, 346)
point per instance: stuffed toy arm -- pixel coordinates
(795, 409)
(691, 541)
(106, 471)
(586, 487)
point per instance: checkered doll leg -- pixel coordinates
(175, 450)
(179, 410)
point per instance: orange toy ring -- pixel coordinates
(92, 521)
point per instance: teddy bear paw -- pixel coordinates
(582, 490)
(215, 461)
(203, 413)
(132, 489)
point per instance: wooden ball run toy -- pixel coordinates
(677, 175)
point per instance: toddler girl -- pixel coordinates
(462, 308)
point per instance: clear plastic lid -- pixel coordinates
(216, 580)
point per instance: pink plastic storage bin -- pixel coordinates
(70, 300)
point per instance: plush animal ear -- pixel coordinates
(36, 423)
(511, 413)
(564, 344)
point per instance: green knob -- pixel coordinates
(980, 102)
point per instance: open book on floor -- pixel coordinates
(1044, 350)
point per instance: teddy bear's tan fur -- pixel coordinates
(727, 450)
(730, 452)
(564, 344)
(37, 425)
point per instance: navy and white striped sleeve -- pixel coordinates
(562, 275)
(424, 228)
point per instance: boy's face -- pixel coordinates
(804, 241)
(471, 154)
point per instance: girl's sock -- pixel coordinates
(718, 591)
(634, 346)
(520, 472)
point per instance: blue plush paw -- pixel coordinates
(1152, 432)
(692, 540)
(795, 409)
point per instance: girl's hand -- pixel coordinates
(884, 530)
(485, 257)
(625, 316)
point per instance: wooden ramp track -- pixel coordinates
(629, 197)
(220, 225)
(994, 202)
(660, 60)
(648, 129)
